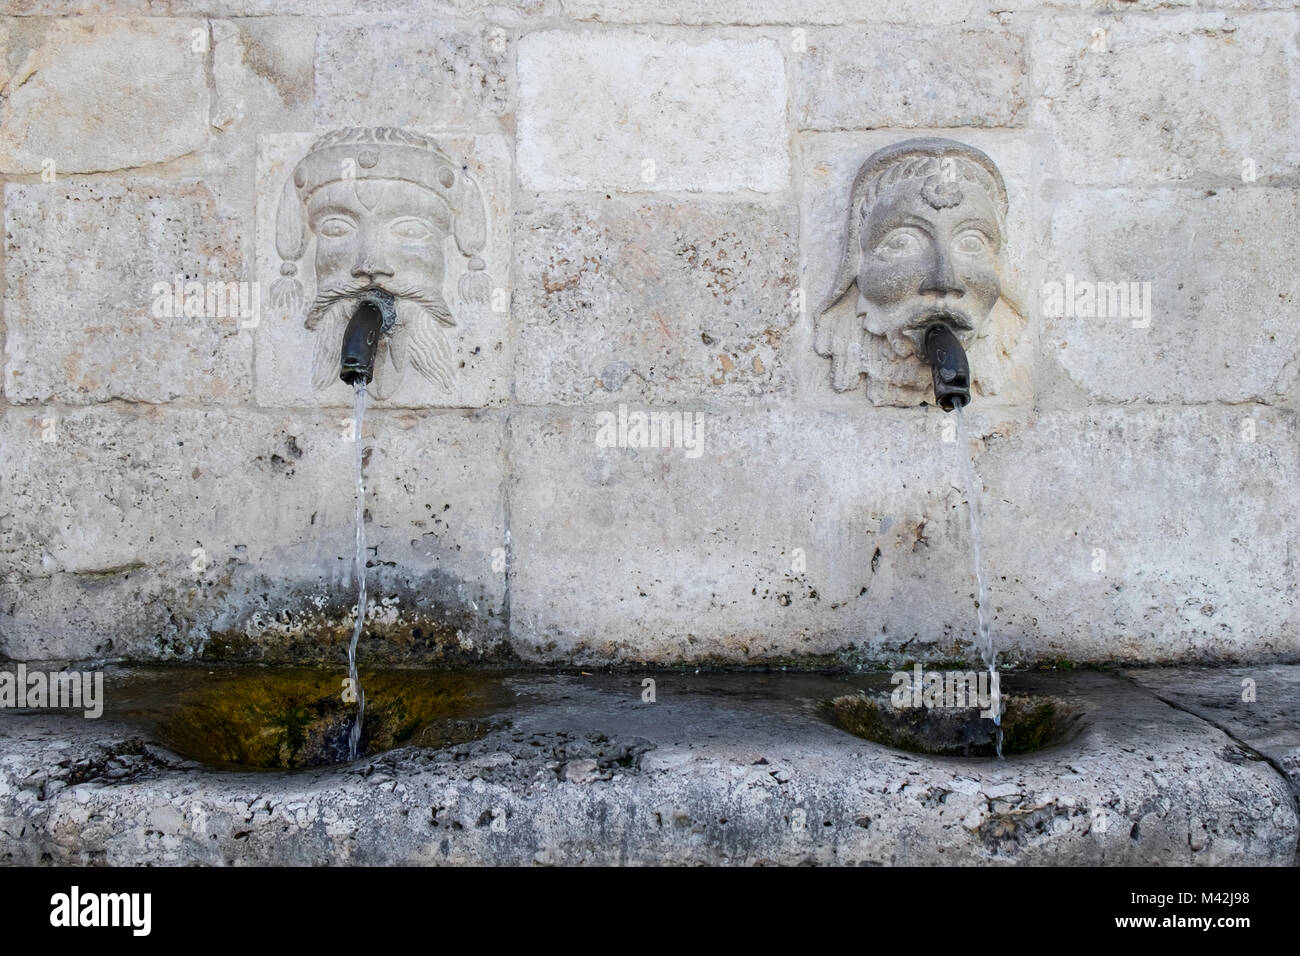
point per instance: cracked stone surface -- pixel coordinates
(1258, 705)
(115, 94)
(733, 769)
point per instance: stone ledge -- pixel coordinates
(723, 769)
(1257, 705)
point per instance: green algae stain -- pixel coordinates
(293, 718)
(1029, 723)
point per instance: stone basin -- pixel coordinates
(712, 768)
(1029, 722)
(285, 718)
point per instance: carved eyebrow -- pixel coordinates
(906, 220)
(979, 222)
(918, 223)
(332, 209)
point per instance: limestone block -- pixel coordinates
(695, 12)
(1173, 295)
(638, 113)
(416, 73)
(661, 302)
(210, 510)
(91, 309)
(1139, 100)
(89, 95)
(867, 77)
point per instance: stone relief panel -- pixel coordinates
(924, 242)
(424, 218)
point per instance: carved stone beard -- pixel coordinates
(892, 362)
(418, 336)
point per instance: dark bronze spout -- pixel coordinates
(373, 317)
(948, 362)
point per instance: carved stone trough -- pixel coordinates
(694, 768)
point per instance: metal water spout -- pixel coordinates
(374, 318)
(948, 363)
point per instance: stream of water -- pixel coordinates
(984, 612)
(354, 739)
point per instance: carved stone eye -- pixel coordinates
(335, 227)
(899, 244)
(970, 244)
(411, 229)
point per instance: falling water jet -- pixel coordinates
(374, 317)
(951, 370)
(354, 738)
(984, 613)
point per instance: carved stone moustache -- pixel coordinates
(925, 233)
(380, 204)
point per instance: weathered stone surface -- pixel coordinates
(1124, 163)
(632, 554)
(411, 73)
(91, 327)
(5, 41)
(1258, 706)
(770, 11)
(239, 524)
(635, 113)
(449, 9)
(1129, 6)
(480, 342)
(1217, 272)
(869, 77)
(657, 302)
(172, 489)
(647, 554)
(1145, 99)
(587, 773)
(1143, 534)
(103, 94)
(263, 74)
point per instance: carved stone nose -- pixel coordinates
(941, 279)
(370, 270)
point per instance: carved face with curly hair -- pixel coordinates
(925, 233)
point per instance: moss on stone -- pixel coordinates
(1028, 723)
(295, 718)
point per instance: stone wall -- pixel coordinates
(666, 186)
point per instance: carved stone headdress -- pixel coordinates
(379, 153)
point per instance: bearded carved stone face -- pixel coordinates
(919, 264)
(381, 234)
(925, 234)
(378, 230)
(380, 205)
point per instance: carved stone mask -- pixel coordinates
(381, 204)
(920, 262)
(925, 234)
